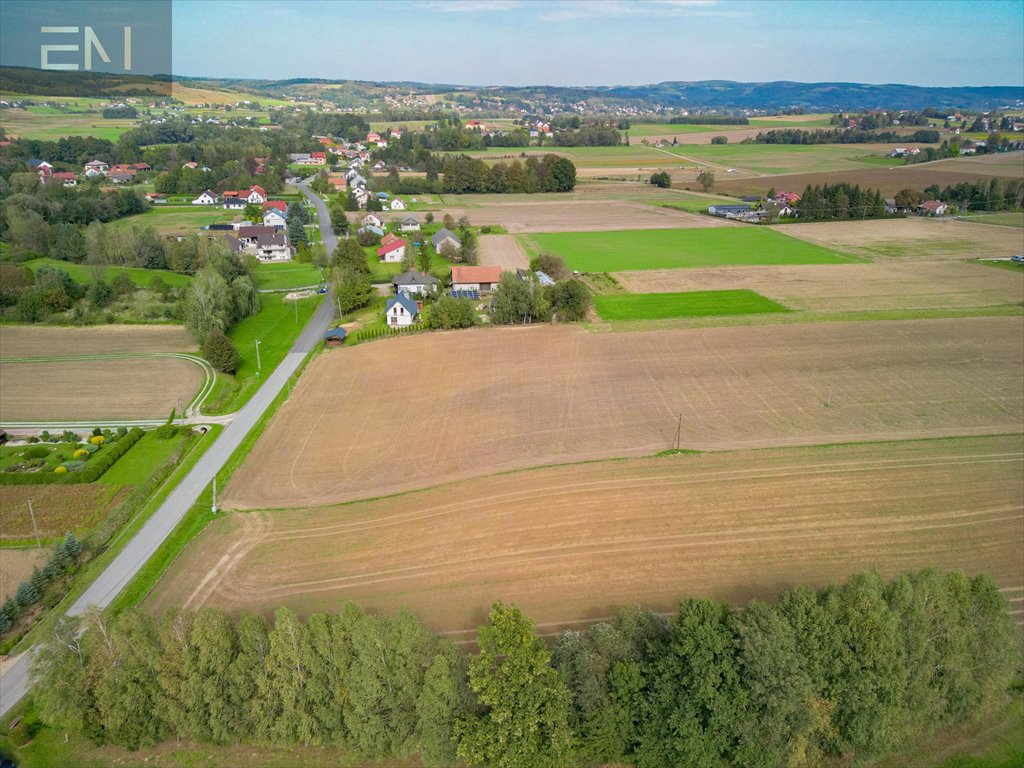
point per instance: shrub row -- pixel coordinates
(90, 473)
(377, 331)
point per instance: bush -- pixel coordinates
(61, 470)
(449, 313)
(67, 436)
(571, 300)
(97, 439)
(81, 453)
(36, 452)
(661, 179)
(221, 353)
(46, 437)
(720, 140)
(166, 431)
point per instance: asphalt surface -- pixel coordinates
(114, 578)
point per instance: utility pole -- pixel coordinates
(32, 514)
(295, 304)
(259, 366)
(214, 507)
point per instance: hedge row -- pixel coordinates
(92, 471)
(377, 331)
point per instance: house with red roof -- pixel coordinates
(280, 205)
(482, 279)
(66, 178)
(372, 137)
(392, 253)
(787, 198)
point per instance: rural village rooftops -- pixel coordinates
(394, 245)
(255, 231)
(414, 277)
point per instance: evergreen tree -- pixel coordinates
(220, 352)
(26, 594)
(72, 547)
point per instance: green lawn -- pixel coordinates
(695, 204)
(623, 250)
(658, 306)
(1009, 219)
(142, 460)
(639, 130)
(276, 325)
(289, 274)
(85, 274)
(173, 220)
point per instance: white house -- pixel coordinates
(401, 311)
(371, 220)
(273, 248)
(391, 253)
(410, 224)
(443, 236)
(206, 198)
(397, 205)
(414, 283)
(96, 168)
(272, 217)
(234, 203)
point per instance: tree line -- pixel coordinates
(550, 173)
(837, 202)
(842, 136)
(851, 671)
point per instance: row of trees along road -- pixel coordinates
(840, 673)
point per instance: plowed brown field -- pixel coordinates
(33, 341)
(143, 388)
(573, 543)
(882, 285)
(412, 412)
(503, 251)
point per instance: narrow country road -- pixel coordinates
(14, 682)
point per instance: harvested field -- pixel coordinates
(571, 544)
(846, 287)
(58, 508)
(913, 237)
(576, 216)
(888, 180)
(491, 400)
(36, 341)
(85, 390)
(503, 251)
(16, 566)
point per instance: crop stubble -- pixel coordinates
(408, 413)
(572, 543)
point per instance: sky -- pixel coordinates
(603, 42)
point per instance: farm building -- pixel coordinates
(442, 236)
(401, 311)
(414, 282)
(932, 208)
(482, 279)
(728, 210)
(391, 253)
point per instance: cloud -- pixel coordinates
(472, 6)
(567, 10)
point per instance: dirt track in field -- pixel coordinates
(503, 251)
(913, 238)
(32, 341)
(406, 413)
(883, 285)
(85, 390)
(578, 216)
(573, 543)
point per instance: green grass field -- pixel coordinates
(177, 220)
(625, 250)
(276, 325)
(658, 306)
(777, 158)
(1009, 219)
(144, 458)
(85, 274)
(640, 130)
(48, 124)
(290, 274)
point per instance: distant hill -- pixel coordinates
(705, 94)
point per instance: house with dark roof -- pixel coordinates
(443, 236)
(209, 197)
(273, 248)
(415, 283)
(410, 224)
(728, 211)
(121, 178)
(335, 337)
(401, 311)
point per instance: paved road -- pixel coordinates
(14, 682)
